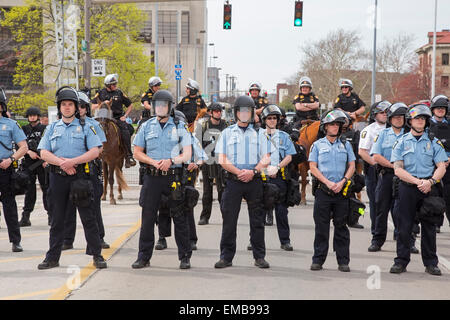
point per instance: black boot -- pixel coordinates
(25, 221)
(269, 218)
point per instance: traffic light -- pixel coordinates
(298, 17)
(227, 16)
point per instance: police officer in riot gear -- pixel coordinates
(381, 152)
(208, 133)
(281, 149)
(238, 153)
(192, 105)
(10, 132)
(332, 162)
(69, 145)
(119, 99)
(348, 100)
(154, 84)
(378, 118)
(419, 162)
(167, 145)
(440, 127)
(95, 176)
(34, 131)
(306, 103)
(261, 102)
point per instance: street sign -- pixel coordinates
(177, 77)
(178, 71)
(98, 67)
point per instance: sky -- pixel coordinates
(263, 44)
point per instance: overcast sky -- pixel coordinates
(264, 45)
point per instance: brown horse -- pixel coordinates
(113, 155)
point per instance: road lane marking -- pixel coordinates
(29, 294)
(89, 270)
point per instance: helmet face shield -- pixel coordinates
(161, 108)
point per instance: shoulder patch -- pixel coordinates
(296, 97)
(93, 130)
(337, 100)
(395, 143)
(440, 143)
(186, 100)
(18, 125)
(143, 95)
(363, 134)
(376, 138)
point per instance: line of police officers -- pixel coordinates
(253, 162)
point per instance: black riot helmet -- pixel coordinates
(162, 98)
(283, 112)
(440, 101)
(332, 116)
(33, 111)
(417, 110)
(271, 110)
(378, 107)
(67, 93)
(3, 100)
(244, 102)
(85, 102)
(396, 109)
(215, 106)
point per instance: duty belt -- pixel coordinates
(231, 176)
(156, 172)
(57, 169)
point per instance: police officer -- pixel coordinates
(95, 176)
(440, 126)
(208, 133)
(10, 132)
(306, 103)
(154, 84)
(419, 162)
(111, 92)
(261, 102)
(190, 172)
(348, 100)
(378, 118)
(167, 146)
(69, 145)
(192, 105)
(332, 162)
(238, 153)
(281, 149)
(381, 152)
(35, 166)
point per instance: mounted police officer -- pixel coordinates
(34, 131)
(238, 153)
(419, 161)
(208, 133)
(119, 99)
(95, 176)
(154, 84)
(306, 103)
(69, 145)
(381, 152)
(332, 162)
(281, 149)
(440, 126)
(192, 105)
(164, 144)
(378, 120)
(254, 89)
(348, 100)
(10, 132)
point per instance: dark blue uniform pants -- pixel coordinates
(70, 224)
(371, 183)
(383, 203)
(60, 204)
(446, 191)
(207, 198)
(230, 206)
(410, 200)
(150, 198)
(326, 208)
(30, 195)
(281, 213)
(9, 206)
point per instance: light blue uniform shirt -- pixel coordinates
(331, 158)
(9, 131)
(419, 156)
(97, 127)
(384, 142)
(68, 141)
(242, 148)
(163, 143)
(279, 145)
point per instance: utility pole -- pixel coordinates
(374, 68)
(156, 40)
(87, 38)
(433, 70)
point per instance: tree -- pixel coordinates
(114, 37)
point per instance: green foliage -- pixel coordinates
(19, 104)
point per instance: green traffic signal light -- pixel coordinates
(298, 22)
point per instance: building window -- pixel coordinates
(445, 59)
(146, 32)
(444, 81)
(167, 27)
